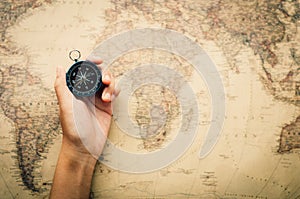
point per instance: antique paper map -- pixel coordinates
(252, 77)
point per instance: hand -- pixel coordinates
(85, 122)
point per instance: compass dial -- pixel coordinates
(84, 79)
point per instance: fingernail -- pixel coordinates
(107, 96)
(107, 78)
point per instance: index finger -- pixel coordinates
(95, 60)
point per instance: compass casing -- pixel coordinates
(84, 79)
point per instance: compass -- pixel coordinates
(83, 77)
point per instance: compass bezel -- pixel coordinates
(97, 84)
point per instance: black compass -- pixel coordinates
(84, 77)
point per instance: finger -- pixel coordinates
(106, 77)
(109, 90)
(59, 82)
(62, 92)
(95, 60)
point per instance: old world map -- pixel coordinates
(254, 45)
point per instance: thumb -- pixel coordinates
(62, 92)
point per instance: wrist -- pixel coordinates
(76, 155)
(77, 166)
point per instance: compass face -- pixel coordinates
(84, 79)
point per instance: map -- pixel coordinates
(252, 47)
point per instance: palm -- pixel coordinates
(92, 118)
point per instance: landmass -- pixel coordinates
(267, 27)
(290, 137)
(10, 11)
(25, 101)
(156, 107)
(36, 123)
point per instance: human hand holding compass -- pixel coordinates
(92, 91)
(91, 111)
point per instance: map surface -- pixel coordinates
(255, 47)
